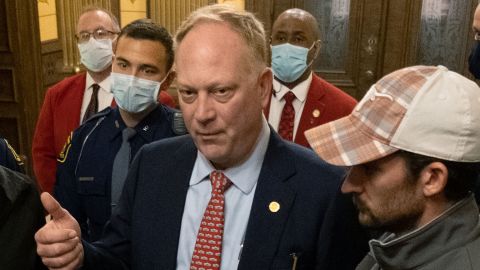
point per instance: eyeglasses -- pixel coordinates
(98, 34)
(477, 36)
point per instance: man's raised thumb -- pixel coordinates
(52, 206)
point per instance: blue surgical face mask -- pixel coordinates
(289, 62)
(474, 60)
(133, 94)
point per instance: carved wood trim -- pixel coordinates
(170, 13)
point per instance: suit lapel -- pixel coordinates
(312, 111)
(174, 194)
(74, 106)
(265, 226)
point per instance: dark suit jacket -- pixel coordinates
(21, 215)
(324, 103)
(144, 232)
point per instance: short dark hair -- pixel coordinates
(462, 176)
(147, 29)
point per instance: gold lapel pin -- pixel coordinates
(316, 113)
(274, 207)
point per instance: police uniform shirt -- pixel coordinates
(84, 171)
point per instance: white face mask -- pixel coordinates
(133, 94)
(96, 55)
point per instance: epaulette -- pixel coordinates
(178, 125)
(17, 158)
(66, 148)
(95, 120)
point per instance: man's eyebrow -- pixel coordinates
(279, 32)
(119, 58)
(299, 32)
(144, 66)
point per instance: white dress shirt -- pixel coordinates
(105, 95)
(238, 202)
(277, 102)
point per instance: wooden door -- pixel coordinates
(20, 73)
(351, 34)
(362, 40)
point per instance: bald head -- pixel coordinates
(98, 17)
(299, 21)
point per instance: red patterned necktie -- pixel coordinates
(92, 107)
(285, 129)
(208, 247)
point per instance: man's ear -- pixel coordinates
(265, 83)
(114, 44)
(168, 80)
(434, 178)
(317, 46)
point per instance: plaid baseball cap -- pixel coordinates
(426, 110)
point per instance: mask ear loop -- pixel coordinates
(172, 69)
(166, 76)
(316, 52)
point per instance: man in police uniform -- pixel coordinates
(9, 158)
(89, 171)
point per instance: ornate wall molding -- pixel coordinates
(170, 13)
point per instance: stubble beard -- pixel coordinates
(399, 213)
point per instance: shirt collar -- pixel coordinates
(243, 176)
(145, 128)
(104, 85)
(300, 90)
(433, 238)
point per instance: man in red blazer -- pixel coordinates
(68, 103)
(295, 44)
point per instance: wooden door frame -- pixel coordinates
(24, 40)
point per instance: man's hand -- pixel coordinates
(59, 241)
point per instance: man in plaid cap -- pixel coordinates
(413, 146)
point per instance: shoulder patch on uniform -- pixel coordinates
(18, 159)
(178, 124)
(66, 148)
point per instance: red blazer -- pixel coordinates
(166, 99)
(324, 103)
(60, 115)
